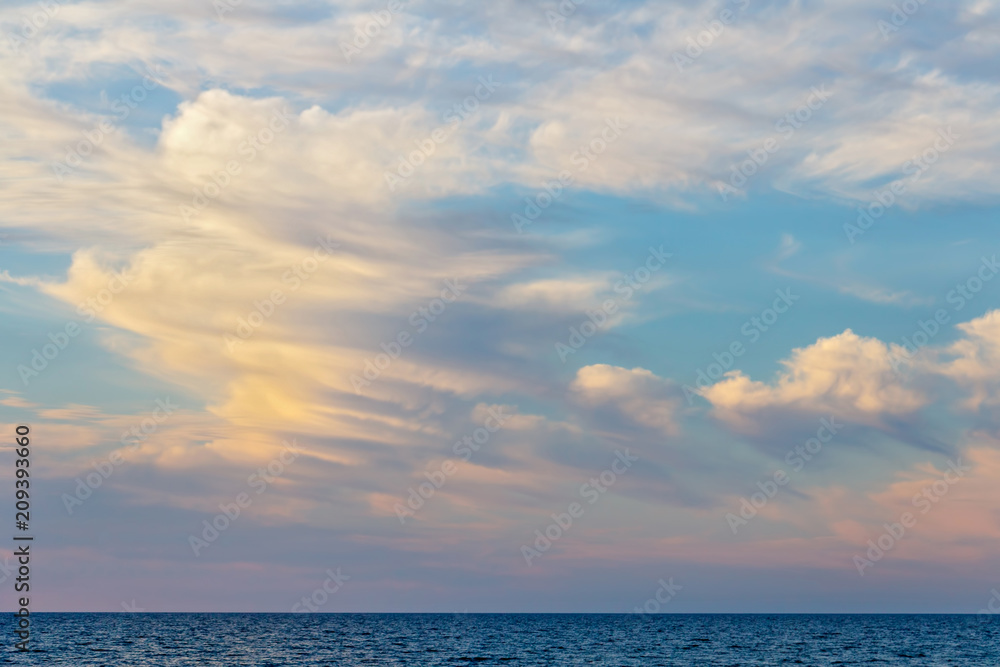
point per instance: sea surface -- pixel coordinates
(269, 640)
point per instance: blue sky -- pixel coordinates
(294, 239)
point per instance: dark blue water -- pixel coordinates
(264, 640)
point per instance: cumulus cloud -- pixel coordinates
(637, 394)
(849, 375)
(974, 361)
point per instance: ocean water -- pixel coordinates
(345, 640)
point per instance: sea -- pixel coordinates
(678, 640)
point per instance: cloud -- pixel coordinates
(5, 277)
(566, 294)
(71, 413)
(888, 99)
(18, 402)
(974, 361)
(637, 394)
(789, 247)
(885, 296)
(848, 375)
(167, 251)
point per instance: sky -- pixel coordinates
(602, 306)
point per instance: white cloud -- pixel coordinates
(848, 375)
(638, 394)
(974, 361)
